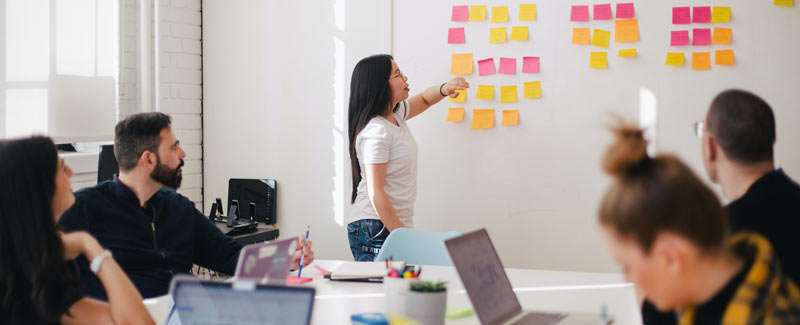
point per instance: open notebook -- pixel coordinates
(359, 271)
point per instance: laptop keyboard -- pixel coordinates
(539, 319)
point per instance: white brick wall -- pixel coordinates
(180, 88)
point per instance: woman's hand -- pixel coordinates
(79, 243)
(449, 89)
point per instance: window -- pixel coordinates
(59, 63)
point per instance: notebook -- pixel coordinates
(359, 271)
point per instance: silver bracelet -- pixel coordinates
(98, 260)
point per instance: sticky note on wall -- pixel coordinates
(601, 38)
(579, 13)
(498, 35)
(679, 38)
(626, 31)
(508, 66)
(455, 114)
(460, 13)
(482, 118)
(530, 64)
(784, 3)
(701, 36)
(486, 67)
(722, 36)
(598, 60)
(721, 14)
(602, 11)
(701, 60)
(477, 13)
(625, 10)
(485, 92)
(724, 57)
(455, 35)
(681, 15)
(508, 94)
(627, 53)
(461, 96)
(532, 89)
(580, 36)
(519, 33)
(499, 14)
(527, 12)
(701, 15)
(510, 117)
(461, 64)
(675, 59)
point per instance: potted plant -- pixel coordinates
(426, 302)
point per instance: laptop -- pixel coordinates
(267, 262)
(489, 289)
(241, 302)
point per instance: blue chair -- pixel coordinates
(416, 246)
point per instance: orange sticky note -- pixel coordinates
(722, 36)
(601, 38)
(519, 33)
(598, 60)
(498, 35)
(510, 117)
(482, 118)
(477, 13)
(527, 12)
(485, 92)
(508, 94)
(675, 59)
(461, 64)
(721, 14)
(533, 89)
(580, 36)
(460, 98)
(455, 114)
(626, 31)
(701, 60)
(724, 57)
(499, 14)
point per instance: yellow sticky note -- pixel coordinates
(626, 31)
(721, 14)
(508, 94)
(455, 114)
(601, 38)
(477, 13)
(499, 14)
(497, 35)
(676, 59)
(527, 12)
(482, 118)
(510, 117)
(533, 89)
(701, 60)
(722, 36)
(461, 64)
(724, 57)
(460, 98)
(598, 60)
(580, 36)
(485, 92)
(519, 33)
(627, 53)
(784, 3)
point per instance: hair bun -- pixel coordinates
(627, 152)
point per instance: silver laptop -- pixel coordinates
(267, 262)
(489, 289)
(241, 302)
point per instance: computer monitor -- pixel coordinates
(262, 192)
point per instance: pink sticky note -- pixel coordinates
(681, 15)
(460, 13)
(455, 35)
(625, 10)
(701, 36)
(530, 64)
(701, 14)
(486, 67)
(579, 13)
(508, 65)
(602, 11)
(679, 38)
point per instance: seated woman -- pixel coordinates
(38, 277)
(668, 232)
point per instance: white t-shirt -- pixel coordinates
(381, 141)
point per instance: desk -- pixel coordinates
(263, 233)
(536, 289)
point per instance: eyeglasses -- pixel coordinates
(699, 128)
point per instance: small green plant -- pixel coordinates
(428, 286)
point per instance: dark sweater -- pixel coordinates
(151, 244)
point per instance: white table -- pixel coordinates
(536, 290)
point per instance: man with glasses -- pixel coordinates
(737, 137)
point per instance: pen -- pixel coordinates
(302, 253)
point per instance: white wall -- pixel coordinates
(273, 108)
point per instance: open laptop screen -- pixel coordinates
(212, 302)
(483, 276)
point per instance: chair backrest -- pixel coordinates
(107, 167)
(416, 246)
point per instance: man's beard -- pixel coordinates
(168, 177)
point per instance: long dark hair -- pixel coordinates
(369, 96)
(32, 266)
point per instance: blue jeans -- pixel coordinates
(366, 238)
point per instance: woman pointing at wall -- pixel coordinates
(383, 153)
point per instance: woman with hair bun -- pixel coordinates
(668, 232)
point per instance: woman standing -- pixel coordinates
(383, 153)
(39, 281)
